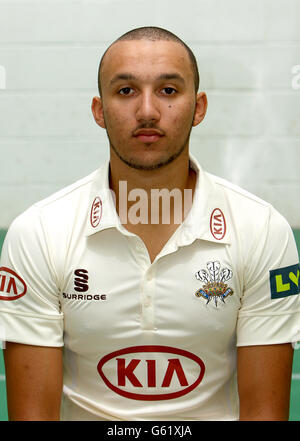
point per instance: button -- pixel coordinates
(139, 246)
(149, 276)
(147, 302)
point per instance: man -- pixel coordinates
(135, 314)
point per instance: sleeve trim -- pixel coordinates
(266, 342)
(27, 314)
(257, 314)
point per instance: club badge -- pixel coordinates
(214, 279)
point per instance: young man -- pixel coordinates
(141, 310)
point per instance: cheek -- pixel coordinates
(190, 110)
(116, 122)
(181, 116)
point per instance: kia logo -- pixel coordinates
(217, 224)
(96, 212)
(137, 371)
(11, 284)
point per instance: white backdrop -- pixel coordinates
(248, 52)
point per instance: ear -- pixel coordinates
(201, 107)
(97, 109)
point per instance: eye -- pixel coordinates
(126, 91)
(169, 90)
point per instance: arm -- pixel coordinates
(264, 380)
(33, 382)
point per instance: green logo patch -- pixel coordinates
(285, 282)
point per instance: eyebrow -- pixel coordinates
(164, 76)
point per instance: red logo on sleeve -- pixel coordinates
(12, 286)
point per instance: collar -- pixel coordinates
(207, 219)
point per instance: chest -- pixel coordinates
(112, 292)
(154, 237)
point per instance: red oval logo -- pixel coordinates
(96, 212)
(217, 224)
(139, 369)
(11, 284)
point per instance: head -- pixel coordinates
(153, 34)
(148, 82)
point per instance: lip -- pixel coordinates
(148, 135)
(148, 138)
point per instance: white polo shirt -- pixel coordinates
(149, 341)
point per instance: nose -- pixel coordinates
(148, 107)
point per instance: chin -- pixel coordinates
(150, 159)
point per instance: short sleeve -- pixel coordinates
(29, 295)
(270, 304)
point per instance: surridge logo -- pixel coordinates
(81, 280)
(151, 373)
(81, 286)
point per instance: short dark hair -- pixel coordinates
(153, 33)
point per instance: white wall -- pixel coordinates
(247, 50)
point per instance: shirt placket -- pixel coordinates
(148, 299)
(147, 287)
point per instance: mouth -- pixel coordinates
(148, 135)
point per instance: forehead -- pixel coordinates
(146, 58)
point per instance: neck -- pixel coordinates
(176, 174)
(129, 183)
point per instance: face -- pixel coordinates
(148, 105)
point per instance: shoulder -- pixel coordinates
(249, 215)
(72, 194)
(238, 198)
(56, 212)
(237, 194)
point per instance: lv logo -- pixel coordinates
(285, 281)
(281, 287)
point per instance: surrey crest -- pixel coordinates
(214, 279)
